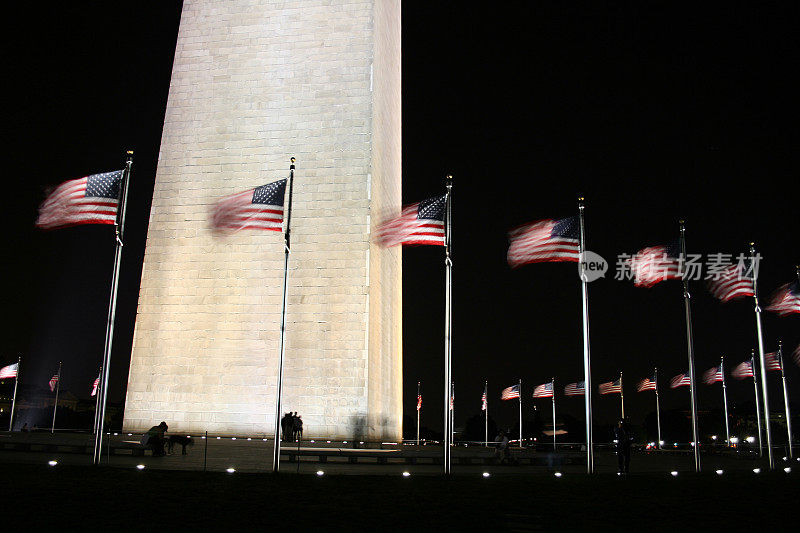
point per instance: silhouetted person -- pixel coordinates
(502, 451)
(286, 426)
(298, 427)
(624, 439)
(25, 427)
(154, 439)
(295, 426)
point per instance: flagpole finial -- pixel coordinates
(129, 154)
(448, 181)
(291, 166)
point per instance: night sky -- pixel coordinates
(654, 113)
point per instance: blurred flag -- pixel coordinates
(575, 389)
(713, 375)
(655, 264)
(53, 383)
(483, 398)
(743, 370)
(786, 299)
(545, 240)
(646, 384)
(95, 385)
(773, 361)
(9, 371)
(88, 200)
(681, 380)
(260, 208)
(509, 393)
(543, 391)
(611, 387)
(796, 355)
(418, 224)
(734, 282)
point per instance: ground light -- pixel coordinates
(320, 473)
(787, 469)
(406, 474)
(756, 470)
(751, 440)
(719, 472)
(674, 473)
(52, 463)
(140, 467)
(230, 470)
(557, 474)
(734, 440)
(486, 474)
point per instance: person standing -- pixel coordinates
(623, 438)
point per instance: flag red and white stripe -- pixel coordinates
(260, 208)
(509, 393)
(544, 390)
(773, 361)
(575, 389)
(611, 387)
(95, 385)
(543, 241)
(786, 299)
(484, 400)
(743, 370)
(681, 380)
(10, 371)
(92, 199)
(53, 382)
(418, 224)
(732, 283)
(645, 384)
(653, 265)
(712, 375)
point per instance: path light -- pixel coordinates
(344, 442)
(486, 474)
(751, 440)
(713, 437)
(674, 473)
(719, 472)
(787, 469)
(406, 474)
(756, 470)
(52, 463)
(140, 467)
(248, 438)
(734, 440)
(219, 438)
(233, 438)
(320, 473)
(230, 470)
(557, 474)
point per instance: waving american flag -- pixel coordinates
(773, 361)
(89, 200)
(575, 389)
(681, 380)
(656, 264)
(260, 208)
(9, 371)
(786, 300)
(611, 387)
(713, 375)
(743, 370)
(544, 390)
(418, 224)
(543, 241)
(734, 282)
(646, 384)
(509, 393)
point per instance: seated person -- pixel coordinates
(154, 439)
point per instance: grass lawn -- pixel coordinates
(71, 498)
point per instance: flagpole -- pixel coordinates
(418, 410)
(553, 385)
(520, 413)
(55, 405)
(725, 402)
(448, 320)
(486, 412)
(690, 350)
(621, 396)
(14, 399)
(658, 411)
(287, 248)
(452, 413)
(761, 357)
(587, 367)
(785, 399)
(758, 404)
(119, 227)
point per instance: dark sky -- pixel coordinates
(654, 113)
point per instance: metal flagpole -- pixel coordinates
(452, 413)
(55, 405)
(97, 403)
(14, 400)
(587, 366)
(486, 412)
(725, 402)
(287, 248)
(448, 320)
(520, 413)
(690, 349)
(758, 404)
(621, 396)
(761, 358)
(418, 410)
(658, 410)
(553, 384)
(785, 400)
(119, 227)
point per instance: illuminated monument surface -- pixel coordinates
(253, 84)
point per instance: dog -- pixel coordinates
(172, 440)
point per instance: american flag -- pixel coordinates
(681, 380)
(786, 299)
(655, 264)
(543, 391)
(646, 384)
(575, 389)
(9, 371)
(53, 383)
(260, 208)
(89, 200)
(509, 393)
(484, 400)
(418, 224)
(713, 375)
(610, 387)
(95, 385)
(773, 361)
(545, 240)
(743, 370)
(734, 282)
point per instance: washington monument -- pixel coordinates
(255, 83)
